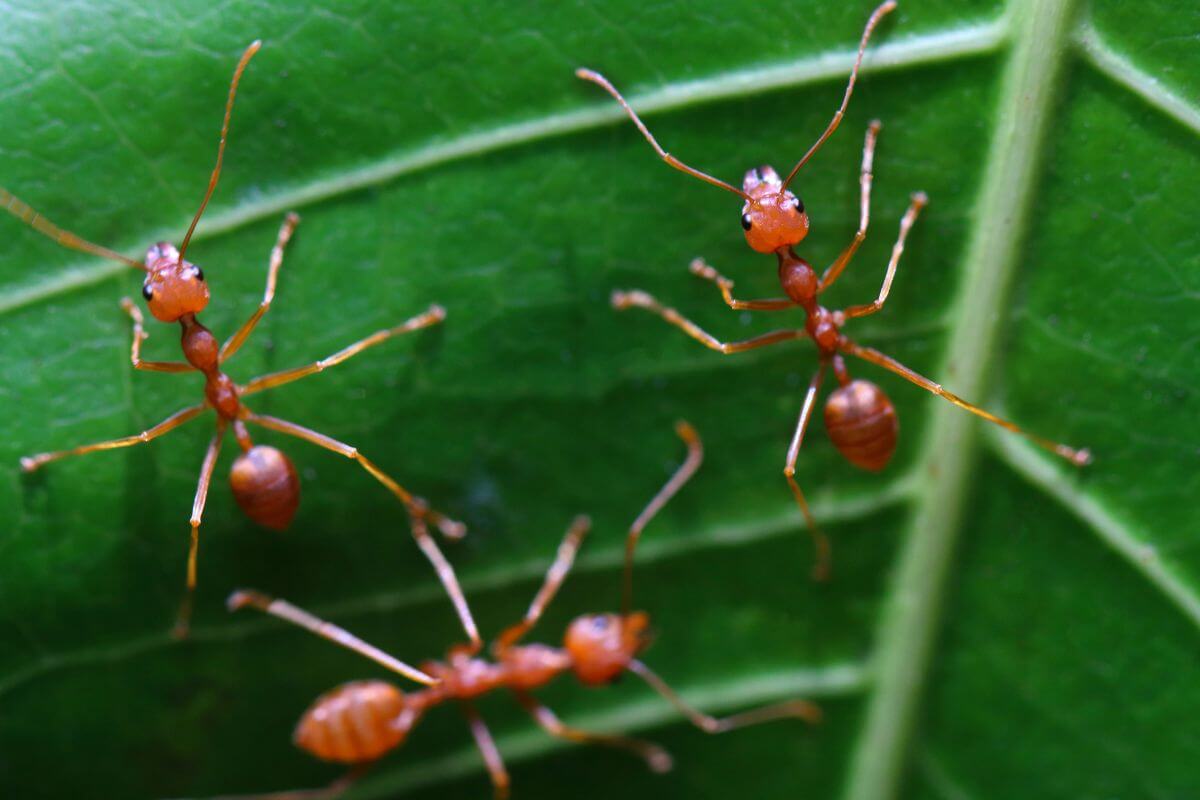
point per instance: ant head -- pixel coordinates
(174, 288)
(602, 645)
(773, 216)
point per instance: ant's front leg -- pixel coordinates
(635, 297)
(139, 336)
(701, 268)
(238, 339)
(864, 209)
(906, 222)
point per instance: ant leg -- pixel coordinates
(820, 542)
(335, 789)
(876, 15)
(418, 513)
(1079, 457)
(554, 579)
(238, 339)
(31, 463)
(139, 336)
(622, 300)
(326, 630)
(487, 748)
(432, 316)
(701, 268)
(788, 709)
(656, 758)
(864, 210)
(603, 83)
(183, 621)
(682, 475)
(906, 222)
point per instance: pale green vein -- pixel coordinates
(938, 778)
(629, 717)
(911, 618)
(394, 603)
(1115, 533)
(914, 51)
(1122, 71)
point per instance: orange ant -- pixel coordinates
(860, 418)
(358, 722)
(263, 479)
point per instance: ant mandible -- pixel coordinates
(859, 417)
(358, 722)
(263, 479)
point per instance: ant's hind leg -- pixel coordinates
(489, 751)
(183, 621)
(656, 758)
(238, 339)
(31, 463)
(1078, 457)
(418, 513)
(788, 709)
(622, 300)
(820, 570)
(431, 316)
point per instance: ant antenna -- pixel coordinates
(876, 15)
(216, 173)
(326, 630)
(682, 475)
(602, 82)
(21, 210)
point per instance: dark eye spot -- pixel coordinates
(799, 206)
(746, 222)
(200, 272)
(147, 292)
(599, 623)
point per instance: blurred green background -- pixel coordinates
(446, 153)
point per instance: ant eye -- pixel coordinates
(746, 222)
(799, 206)
(599, 623)
(147, 292)
(199, 275)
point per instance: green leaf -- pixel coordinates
(999, 624)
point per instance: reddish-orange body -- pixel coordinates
(860, 418)
(359, 721)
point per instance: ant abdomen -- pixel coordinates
(265, 485)
(354, 723)
(861, 421)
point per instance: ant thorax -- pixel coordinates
(773, 217)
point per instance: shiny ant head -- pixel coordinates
(173, 288)
(773, 217)
(602, 645)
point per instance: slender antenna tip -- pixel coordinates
(257, 43)
(586, 74)
(685, 431)
(28, 464)
(1082, 457)
(582, 521)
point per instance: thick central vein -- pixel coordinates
(911, 620)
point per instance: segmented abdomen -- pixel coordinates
(352, 724)
(265, 485)
(861, 421)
